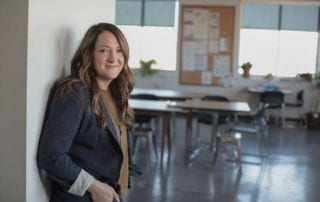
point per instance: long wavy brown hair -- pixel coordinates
(82, 69)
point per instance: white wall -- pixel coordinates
(38, 38)
(54, 31)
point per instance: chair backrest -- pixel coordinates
(144, 96)
(300, 97)
(223, 117)
(215, 98)
(259, 117)
(140, 119)
(273, 98)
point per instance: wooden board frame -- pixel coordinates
(209, 38)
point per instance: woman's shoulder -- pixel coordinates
(71, 86)
(79, 87)
(71, 89)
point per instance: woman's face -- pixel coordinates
(108, 59)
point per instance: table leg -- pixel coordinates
(165, 133)
(188, 143)
(215, 139)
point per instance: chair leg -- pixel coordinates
(266, 137)
(154, 139)
(214, 132)
(217, 150)
(302, 119)
(197, 135)
(213, 139)
(239, 157)
(259, 142)
(134, 145)
(156, 124)
(283, 118)
(150, 146)
(174, 123)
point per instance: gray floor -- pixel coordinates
(290, 173)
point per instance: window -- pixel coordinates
(279, 39)
(154, 37)
(145, 12)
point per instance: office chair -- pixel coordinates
(298, 104)
(205, 117)
(257, 125)
(146, 126)
(275, 100)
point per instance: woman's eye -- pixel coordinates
(104, 51)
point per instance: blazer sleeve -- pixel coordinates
(59, 129)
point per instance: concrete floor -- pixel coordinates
(290, 173)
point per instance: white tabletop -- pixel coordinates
(213, 105)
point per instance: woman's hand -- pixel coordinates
(102, 192)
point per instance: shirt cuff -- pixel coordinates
(81, 184)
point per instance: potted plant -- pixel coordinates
(145, 67)
(246, 69)
(306, 76)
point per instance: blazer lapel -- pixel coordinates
(110, 124)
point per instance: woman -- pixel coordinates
(84, 146)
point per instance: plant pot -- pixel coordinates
(246, 73)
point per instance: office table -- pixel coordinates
(157, 107)
(169, 94)
(213, 106)
(262, 89)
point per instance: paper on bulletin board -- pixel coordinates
(214, 33)
(213, 46)
(224, 44)
(206, 78)
(221, 65)
(227, 81)
(195, 32)
(214, 18)
(195, 24)
(194, 56)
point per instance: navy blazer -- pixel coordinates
(73, 139)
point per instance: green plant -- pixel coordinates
(145, 67)
(246, 66)
(306, 76)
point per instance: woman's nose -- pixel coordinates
(111, 57)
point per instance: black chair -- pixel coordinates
(298, 104)
(274, 100)
(146, 126)
(205, 117)
(144, 119)
(256, 125)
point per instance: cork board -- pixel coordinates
(206, 44)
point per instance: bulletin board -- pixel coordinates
(206, 44)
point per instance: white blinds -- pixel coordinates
(302, 18)
(260, 16)
(280, 17)
(145, 12)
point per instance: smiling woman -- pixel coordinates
(85, 142)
